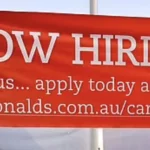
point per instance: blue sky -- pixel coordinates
(106, 7)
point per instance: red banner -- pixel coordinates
(62, 70)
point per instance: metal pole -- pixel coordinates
(93, 7)
(97, 139)
(96, 134)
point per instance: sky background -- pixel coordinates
(137, 8)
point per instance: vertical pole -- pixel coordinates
(93, 7)
(97, 139)
(96, 134)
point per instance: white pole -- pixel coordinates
(97, 139)
(93, 7)
(96, 134)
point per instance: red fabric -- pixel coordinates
(60, 67)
